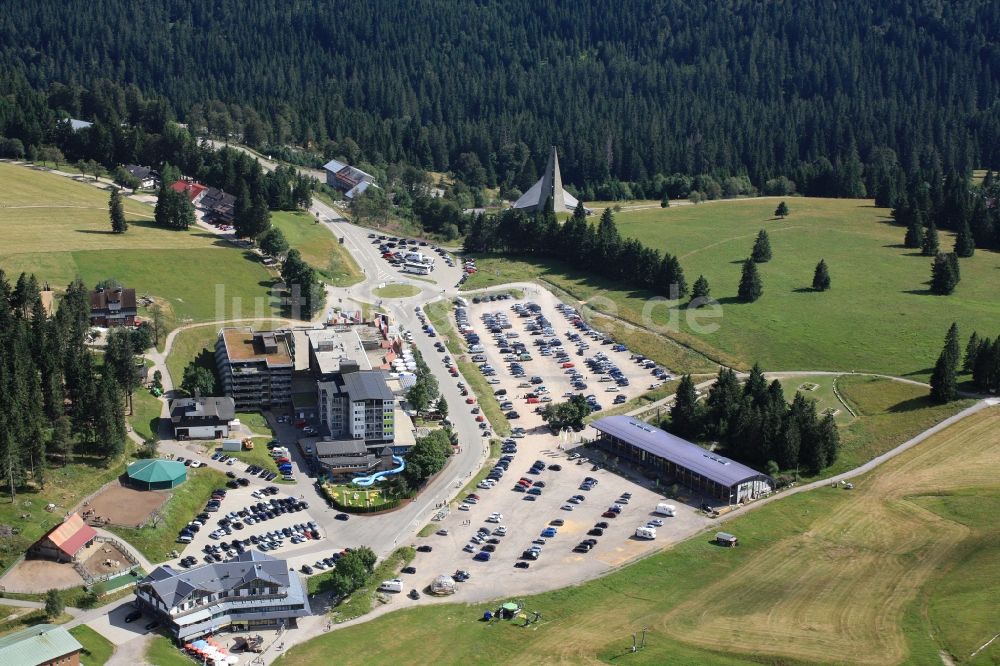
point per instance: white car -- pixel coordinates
(492, 380)
(656, 522)
(196, 464)
(464, 507)
(231, 461)
(611, 389)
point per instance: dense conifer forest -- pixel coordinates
(810, 90)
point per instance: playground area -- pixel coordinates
(123, 506)
(353, 497)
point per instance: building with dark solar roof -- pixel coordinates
(688, 464)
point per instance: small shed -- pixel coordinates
(232, 445)
(726, 539)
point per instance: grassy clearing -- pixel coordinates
(362, 600)
(877, 284)
(891, 413)
(256, 422)
(145, 416)
(858, 574)
(439, 314)
(320, 248)
(97, 649)
(58, 229)
(155, 541)
(396, 291)
(648, 398)
(162, 652)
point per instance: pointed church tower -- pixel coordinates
(548, 186)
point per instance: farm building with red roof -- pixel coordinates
(64, 541)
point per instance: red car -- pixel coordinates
(609, 514)
(533, 401)
(568, 365)
(282, 460)
(470, 401)
(481, 418)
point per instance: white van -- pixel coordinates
(394, 585)
(665, 510)
(645, 532)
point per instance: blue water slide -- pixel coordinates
(366, 481)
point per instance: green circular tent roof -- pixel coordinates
(156, 471)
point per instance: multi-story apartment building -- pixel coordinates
(360, 406)
(255, 367)
(253, 590)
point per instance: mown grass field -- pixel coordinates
(162, 652)
(145, 415)
(57, 229)
(889, 573)
(878, 316)
(319, 247)
(96, 648)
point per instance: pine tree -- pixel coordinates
(821, 278)
(782, 210)
(665, 201)
(755, 386)
(943, 380)
(761, 248)
(943, 280)
(914, 234)
(750, 284)
(685, 413)
(930, 245)
(116, 210)
(829, 438)
(701, 292)
(971, 349)
(955, 269)
(951, 346)
(789, 445)
(965, 244)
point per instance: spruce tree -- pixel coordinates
(914, 235)
(685, 413)
(782, 210)
(755, 386)
(955, 269)
(943, 380)
(930, 246)
(116, 211)
(701, 292)
(951, 346)
(829, 438)
(971, 349)
(761, 248)
(943, 278)
(965, 245)
(665, 201)
(821, 277)
(750, 285)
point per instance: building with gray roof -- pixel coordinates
(358, 405)
(350, 180)
(202, 417)
(252, 590)
(689, 464)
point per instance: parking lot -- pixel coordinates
(526, 514)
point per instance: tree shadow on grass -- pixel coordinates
(896, 246)
(919, 292)
(805, 290)
(729, 300)
(917, 373)
(911, 405)
(99, 232)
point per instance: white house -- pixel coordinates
(202, 417)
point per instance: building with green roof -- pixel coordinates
(39, 645)
(156, 474)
